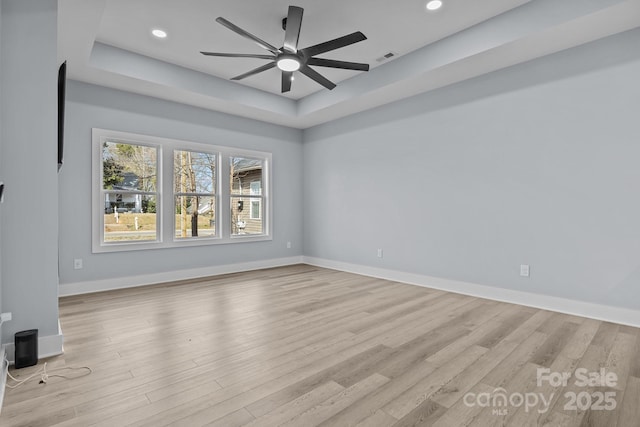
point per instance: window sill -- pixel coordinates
(144, 246)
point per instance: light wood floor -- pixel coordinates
(305, 346)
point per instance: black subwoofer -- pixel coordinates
(26, 343)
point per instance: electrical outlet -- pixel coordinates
(379, 253)
(77, 264)
(5, 317)
(288, 245)
(524, 270)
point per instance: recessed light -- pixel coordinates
(159, 33)
(434, 5)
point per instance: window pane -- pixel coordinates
(129, 167)
(255, 188)
(242, 219)
(256, 209)
(194, 172)
(129, 217)
(246, 176)
(195, 217)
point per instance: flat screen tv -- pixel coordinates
(62, 82)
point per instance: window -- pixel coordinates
(152, 192)
(246, 196)
(129, 192)
(194, 179)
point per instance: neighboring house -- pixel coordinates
(124, 202)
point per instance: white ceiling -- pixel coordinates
(400, 27)
(108, 42)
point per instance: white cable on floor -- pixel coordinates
(44, 376)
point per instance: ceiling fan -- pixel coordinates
(289, 58)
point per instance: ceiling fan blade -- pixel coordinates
(238, 55)
(294, 22)
(334, 44)
(321, 62)
(314, 75)
(286, 81)
(263, 44)
(265, 67)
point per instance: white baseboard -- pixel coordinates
(607, 313)
(546, 302)
(66, 289)
(48, 346)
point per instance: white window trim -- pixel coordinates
(164, 203)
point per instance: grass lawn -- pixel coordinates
(147, 222)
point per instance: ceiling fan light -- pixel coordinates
(288, 64)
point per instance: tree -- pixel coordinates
(139, 160)
(111, 173)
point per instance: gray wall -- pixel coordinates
(536, 164)
(91, 106)
(28, 166)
